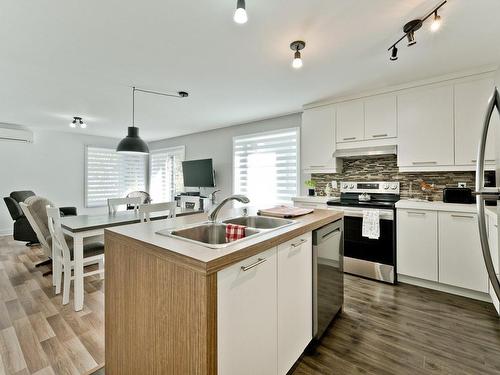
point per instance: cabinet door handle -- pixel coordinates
(294, 245)
(463, 216)
(316, 166)
(348, 138)
(486, 160)
(379, 135)
(423, 162)
(416, 213)
(255, 264)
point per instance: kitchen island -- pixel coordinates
(177, 307)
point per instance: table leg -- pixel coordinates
(78, 282)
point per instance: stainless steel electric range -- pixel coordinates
(371, 258)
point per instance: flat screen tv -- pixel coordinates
(198, 173)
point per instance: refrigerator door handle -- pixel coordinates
(486, 194)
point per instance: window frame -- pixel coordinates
(297, 129)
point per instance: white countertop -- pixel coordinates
(441, 206)
(315, 199)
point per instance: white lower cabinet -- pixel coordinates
(493, 242)
(460, 259)
(294, 300)
(417, 244)
(246, 317)
(264, 310)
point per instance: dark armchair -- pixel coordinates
(22, 228)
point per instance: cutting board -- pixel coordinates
(285, 211)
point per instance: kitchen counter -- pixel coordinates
(436, 206)
(207, 260)
(315, 199)
(162, 294)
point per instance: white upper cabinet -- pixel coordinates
(425, 127)
(471, 100)
(318, 138)
(350, 121)
(381, 117)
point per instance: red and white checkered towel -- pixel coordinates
(234, 232)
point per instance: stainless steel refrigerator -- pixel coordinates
(485, 194)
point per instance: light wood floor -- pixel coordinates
(37, 334)
(382, 330)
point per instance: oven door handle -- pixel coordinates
(384, 215)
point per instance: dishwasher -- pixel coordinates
(328, 275)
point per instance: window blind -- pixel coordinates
(266, 166)
(109, 174)
(166, 173)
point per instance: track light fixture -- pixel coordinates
(411, 27)
(240, 14)
(394, 53)
(297, 46)
(77, 122)
(436, 23)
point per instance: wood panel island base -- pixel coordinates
(175, 307)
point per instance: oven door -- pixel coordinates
(372, 258)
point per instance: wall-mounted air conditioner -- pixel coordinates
(15, 133)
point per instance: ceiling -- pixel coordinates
(65, 58)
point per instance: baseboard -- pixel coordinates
(5, 231)
(445, 288)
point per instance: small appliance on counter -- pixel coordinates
(458, 195)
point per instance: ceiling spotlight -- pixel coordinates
(77, 121)
(410, 29)
(240, 14)
(436, 23)
(297, 46)
(394, 53)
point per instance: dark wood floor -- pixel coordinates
(383, 329)
(404, 329)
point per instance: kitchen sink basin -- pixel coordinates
(259, 222)
(211, 235)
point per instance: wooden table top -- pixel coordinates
(81, 223)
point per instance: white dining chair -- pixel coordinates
(63, 263)
(190, 202)
(114, 203)
(146, 209)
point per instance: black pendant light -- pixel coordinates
(132, 143)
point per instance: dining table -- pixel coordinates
(82, 227)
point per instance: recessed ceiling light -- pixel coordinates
(297, 46)
(240, 14)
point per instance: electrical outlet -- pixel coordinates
(334, 184)
(462, 184)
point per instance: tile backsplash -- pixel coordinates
(385, 169)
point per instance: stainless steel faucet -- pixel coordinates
(240, 198)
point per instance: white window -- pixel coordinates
(166, 173)
(266, 166)
(109, 174)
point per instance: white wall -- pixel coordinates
(52, 166)
(218, 145)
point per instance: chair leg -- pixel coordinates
(57, 274)
(67, 283)
(101, 268)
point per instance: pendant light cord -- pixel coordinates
(133, 106)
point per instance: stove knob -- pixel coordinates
(351, 186)
(386, 186)
(345, 186)
(394, 186)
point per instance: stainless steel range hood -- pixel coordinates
(365, 152)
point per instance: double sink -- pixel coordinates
(213, 234)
